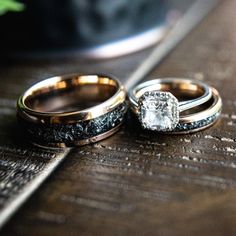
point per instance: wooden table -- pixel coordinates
(134, 183)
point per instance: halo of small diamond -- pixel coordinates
(158, 111)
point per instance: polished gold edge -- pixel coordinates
(81, 142)
(71, 117)
(213, 109)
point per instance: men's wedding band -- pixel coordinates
(175, 105)
(72, 110)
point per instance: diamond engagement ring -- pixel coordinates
(72, 110)
(175, 105)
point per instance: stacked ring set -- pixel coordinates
(75, 110)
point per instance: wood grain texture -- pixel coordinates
(20, 162)
(142, 183)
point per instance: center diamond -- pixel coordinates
(158, 111)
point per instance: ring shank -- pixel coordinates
(72, 110)
(70, 98)
(155, 105)
(207, 115)
(56, 85)
(180, 87)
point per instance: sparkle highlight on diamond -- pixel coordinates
(158, 111)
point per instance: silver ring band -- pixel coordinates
(172, 83)
(207, 115)
(158, 109)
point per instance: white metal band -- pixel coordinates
(159, 85)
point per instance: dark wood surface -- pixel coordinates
(137, 183)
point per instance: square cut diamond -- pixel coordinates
(158, 111)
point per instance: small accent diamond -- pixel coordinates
(158, 111)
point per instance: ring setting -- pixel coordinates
(175, 105)
(158, 111)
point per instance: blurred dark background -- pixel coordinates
(67, 25)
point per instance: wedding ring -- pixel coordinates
(72, 110)
(175, 105)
